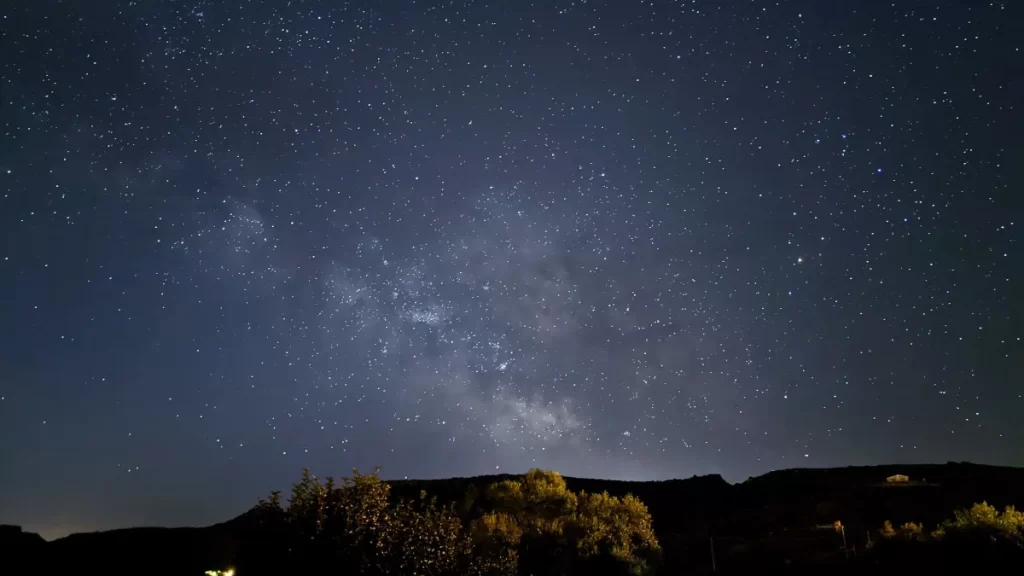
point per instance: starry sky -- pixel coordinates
(630, 239)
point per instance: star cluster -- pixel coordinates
(637, 240)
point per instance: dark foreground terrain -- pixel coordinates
(783, 521)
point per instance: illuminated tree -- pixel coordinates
(619, 528)
(539, 526)
(977, 537)
(531, 526)
(911, 531)
(982, 522)
(887, 530)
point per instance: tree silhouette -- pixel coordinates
(354, 526)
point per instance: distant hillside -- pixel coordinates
(777, 509)
(857, 495)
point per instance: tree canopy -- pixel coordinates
(543, 527)
(977, 536)
(355, 524)
(984, 522)
(531, 526)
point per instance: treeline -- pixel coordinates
(534, 525)
(537, 525)
(979, 536)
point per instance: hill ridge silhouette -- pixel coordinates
(685, 512)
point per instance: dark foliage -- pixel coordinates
(980, 538)
(530, 526)
(780, 522)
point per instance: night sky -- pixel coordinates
(626, 239)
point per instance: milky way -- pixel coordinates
(637, 240)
